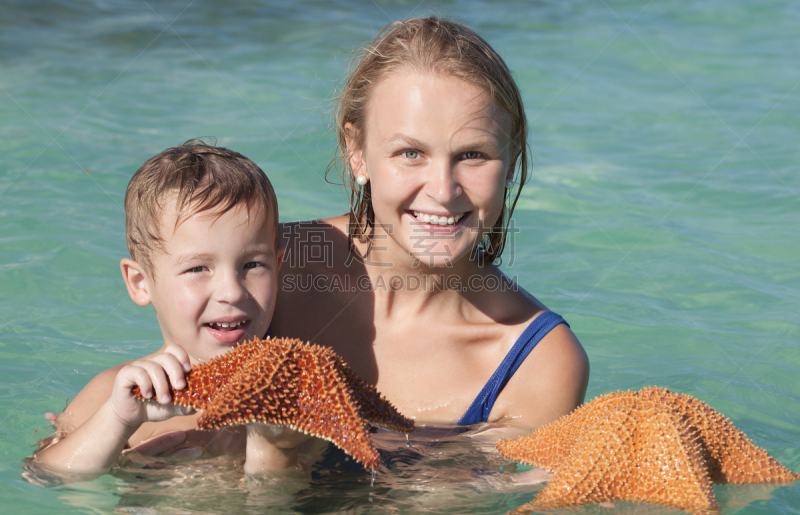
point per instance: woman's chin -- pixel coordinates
(439, 261)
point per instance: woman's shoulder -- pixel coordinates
(553, 380)
(314, 242)
(502, 298)
(518, 310)
(558, 367)
(301, 229)
(560, 342)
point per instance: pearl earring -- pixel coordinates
(509, 184)
(363, 179)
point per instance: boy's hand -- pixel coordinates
(153, 376)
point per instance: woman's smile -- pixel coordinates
(437, 159)
(440, 219)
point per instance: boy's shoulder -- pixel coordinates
(88, 401)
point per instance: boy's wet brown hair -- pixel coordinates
(428, 45)
(198, 177)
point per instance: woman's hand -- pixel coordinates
(271, 448)
(533, 476)
(167, 445)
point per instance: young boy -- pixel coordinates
(202, 230)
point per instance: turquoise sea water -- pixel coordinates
(662, 219)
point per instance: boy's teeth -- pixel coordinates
(437, 220)
(233, 325)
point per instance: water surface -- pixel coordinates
(662, 218)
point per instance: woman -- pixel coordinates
(432, 143)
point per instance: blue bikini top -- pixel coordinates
(483, 403)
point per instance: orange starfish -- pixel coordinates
(648, 446)
(286, 382)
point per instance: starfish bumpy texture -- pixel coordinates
(286, 382)
(650, 446)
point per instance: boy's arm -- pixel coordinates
(88, 401)
(95, 435)
(105, 415)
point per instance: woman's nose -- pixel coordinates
(229, 288)
(443, 185)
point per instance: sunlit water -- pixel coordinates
(662, 219)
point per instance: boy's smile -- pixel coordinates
(214, 284)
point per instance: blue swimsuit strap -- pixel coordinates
(483, 403)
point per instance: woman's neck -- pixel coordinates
(406, 285)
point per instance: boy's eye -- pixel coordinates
(472, 155)
(252, 264)
(197, 269)
(410, 154)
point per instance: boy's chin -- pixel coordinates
(223, 348)
(228, 338)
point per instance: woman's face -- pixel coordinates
(438, 154)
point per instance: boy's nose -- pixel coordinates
(230, 289)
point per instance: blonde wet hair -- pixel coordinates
(429, 45)
(198, 177)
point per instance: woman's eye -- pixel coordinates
(472, 155)
(411, 154)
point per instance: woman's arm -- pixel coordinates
(549, 384)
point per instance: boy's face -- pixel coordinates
(215, 284)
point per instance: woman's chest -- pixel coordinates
(434, 375)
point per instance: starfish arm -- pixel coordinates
(206, 378)
(671, 462)
(372, 406)
(551, 446)
(591, 472)
(734, 458)
(738, 460)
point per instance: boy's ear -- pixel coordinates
(355, 155)
(136, 281)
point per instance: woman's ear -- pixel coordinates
(355, 154)
(136, 281)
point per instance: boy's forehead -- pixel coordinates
(175, 219)
(173, 215)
